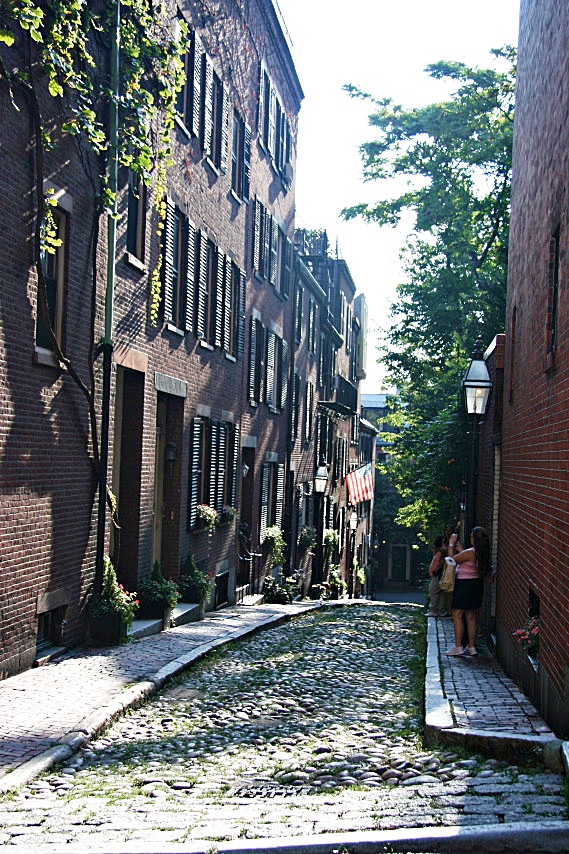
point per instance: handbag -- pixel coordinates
(449, 575)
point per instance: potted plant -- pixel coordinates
(528, 638)
(207, 518)
(306, 539)
(337, 584)
(111, 615)
(158, 596)
(228, 514)
(196, 585)
(277, 546)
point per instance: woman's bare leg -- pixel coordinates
(471, 627)
(458, 627)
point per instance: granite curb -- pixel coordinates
(523, 838)
(132, 697)
(440, 723)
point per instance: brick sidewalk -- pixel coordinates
(471, 701)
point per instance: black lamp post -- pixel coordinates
(320, 485)
(477, 386)
(353, 523)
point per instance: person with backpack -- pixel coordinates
(473, 565)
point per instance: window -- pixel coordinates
(274, 129)
(299, 296)
(272, 250)
(205, 288)
(272, 497)
(256, 361)
(553, 296)
(276, 379)
(214, 465)
(215, 116)
(312, 326)
(308, 411)
(53, 267)
(179, 268)
(136, 216)
(190, 98)
(240, 157)
(295, 408)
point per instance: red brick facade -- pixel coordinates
(203, 380)
(534, 506)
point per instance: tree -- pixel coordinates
(456, 158)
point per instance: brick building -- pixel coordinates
(189, 391)
(330, 330)
(534, 506)
(229, 369)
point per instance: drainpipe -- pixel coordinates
(106, 344)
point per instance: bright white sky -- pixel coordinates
(382, 47)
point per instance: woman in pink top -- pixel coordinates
(473, 565)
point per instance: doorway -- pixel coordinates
(127, 468)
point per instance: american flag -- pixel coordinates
(360, 484)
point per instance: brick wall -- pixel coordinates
(534, 513)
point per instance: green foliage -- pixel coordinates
(455, 157)
(156, 588)
(74, 40)
(277, 545)
(195, 581)
(114, 599)
(281, 590)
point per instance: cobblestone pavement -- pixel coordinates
(40, 706)
(481, 694)
(308, 728)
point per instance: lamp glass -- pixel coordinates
(353, 521)
(477, 386)
(321, 479)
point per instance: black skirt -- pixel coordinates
(468, 593)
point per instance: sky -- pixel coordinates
(383, 49)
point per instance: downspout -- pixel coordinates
(106, 344)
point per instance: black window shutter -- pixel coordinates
(270, 369)
(213, 463)
(196, 71)
(207, 130)
(219, 300)
(235, 468)
(195, 476)
(191, 239)
(261, 119)
(221, 484)
(264, 501)
(274, 251)
(246, 163)
(286, 267)
(280, 494)
(228, 297)
(241, 320)
(284, 375)
(202, 293)
(224, 136)
(257, 212)
(169, 226)
(252, 359)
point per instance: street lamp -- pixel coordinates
(476, 386)
(320, 485)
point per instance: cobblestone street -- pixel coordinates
(307, 728)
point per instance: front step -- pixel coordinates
(186, 612)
